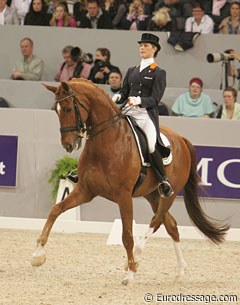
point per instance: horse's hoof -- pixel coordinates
(38, 260)
(125, 282)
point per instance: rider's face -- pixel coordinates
(147, 50)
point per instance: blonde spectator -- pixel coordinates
(231, 24)
(62, 18)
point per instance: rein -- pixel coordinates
(80, 127)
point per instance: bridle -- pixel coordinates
(80, 126)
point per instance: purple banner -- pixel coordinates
(8, 160)
(219, 168)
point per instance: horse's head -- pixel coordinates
(72, 114)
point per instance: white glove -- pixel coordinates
(116, 97)
(134, 100)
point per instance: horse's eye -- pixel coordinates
(67, 109)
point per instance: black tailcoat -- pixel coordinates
(150, 85)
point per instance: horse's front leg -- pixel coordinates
(126, 211)
(75, 198)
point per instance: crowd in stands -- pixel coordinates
(221, 16)
(216, 16)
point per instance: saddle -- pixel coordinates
(141, 141)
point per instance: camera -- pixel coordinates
(101, 64)
(216, 57)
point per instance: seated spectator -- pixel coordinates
(62, 18)
(102, 67)
(21, 7)
(231, 24)
(115, 82)
(200, 22)
(37, 14)
(95, 18)
(230, 109)
(29, 67)
(194, 103)
(74, 65)
(111, 7)
(161, 21)
(135, 19)
(79, 9)
(7, 15)
(4, 103)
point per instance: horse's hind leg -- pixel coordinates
(75, 198)
(171, 227)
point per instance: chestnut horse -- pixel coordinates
(109, 166)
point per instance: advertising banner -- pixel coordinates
(8, 160)
(219, 168)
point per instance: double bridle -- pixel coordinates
(80, 126)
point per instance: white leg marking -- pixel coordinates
(180, 259)
(39, 256)
(129, 277)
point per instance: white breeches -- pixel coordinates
(143, 120)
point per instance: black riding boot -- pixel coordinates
(165, 187)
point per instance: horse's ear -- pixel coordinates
(65, 86)
(50, 88)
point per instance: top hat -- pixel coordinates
(150, 38)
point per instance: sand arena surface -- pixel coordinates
(82, 270)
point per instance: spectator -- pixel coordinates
(37, 14)
(200, 22)
(230, 109)
(73, 65)
(95, 18)
(194, 103)
(61, 17)
(135, 19)
(4, 103)
(115, 82)
(161, 21)
(7, 14)
(29, 67)
(102, 66)
(111, 7)
(79, 10)
(231, 24)
(21, 7)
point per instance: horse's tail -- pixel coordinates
(207, 225)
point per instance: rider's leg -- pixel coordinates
(165, 188)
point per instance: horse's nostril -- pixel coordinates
(69, 147)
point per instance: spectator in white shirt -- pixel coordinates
(7, 14)
(200, 22)
(21, 7)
